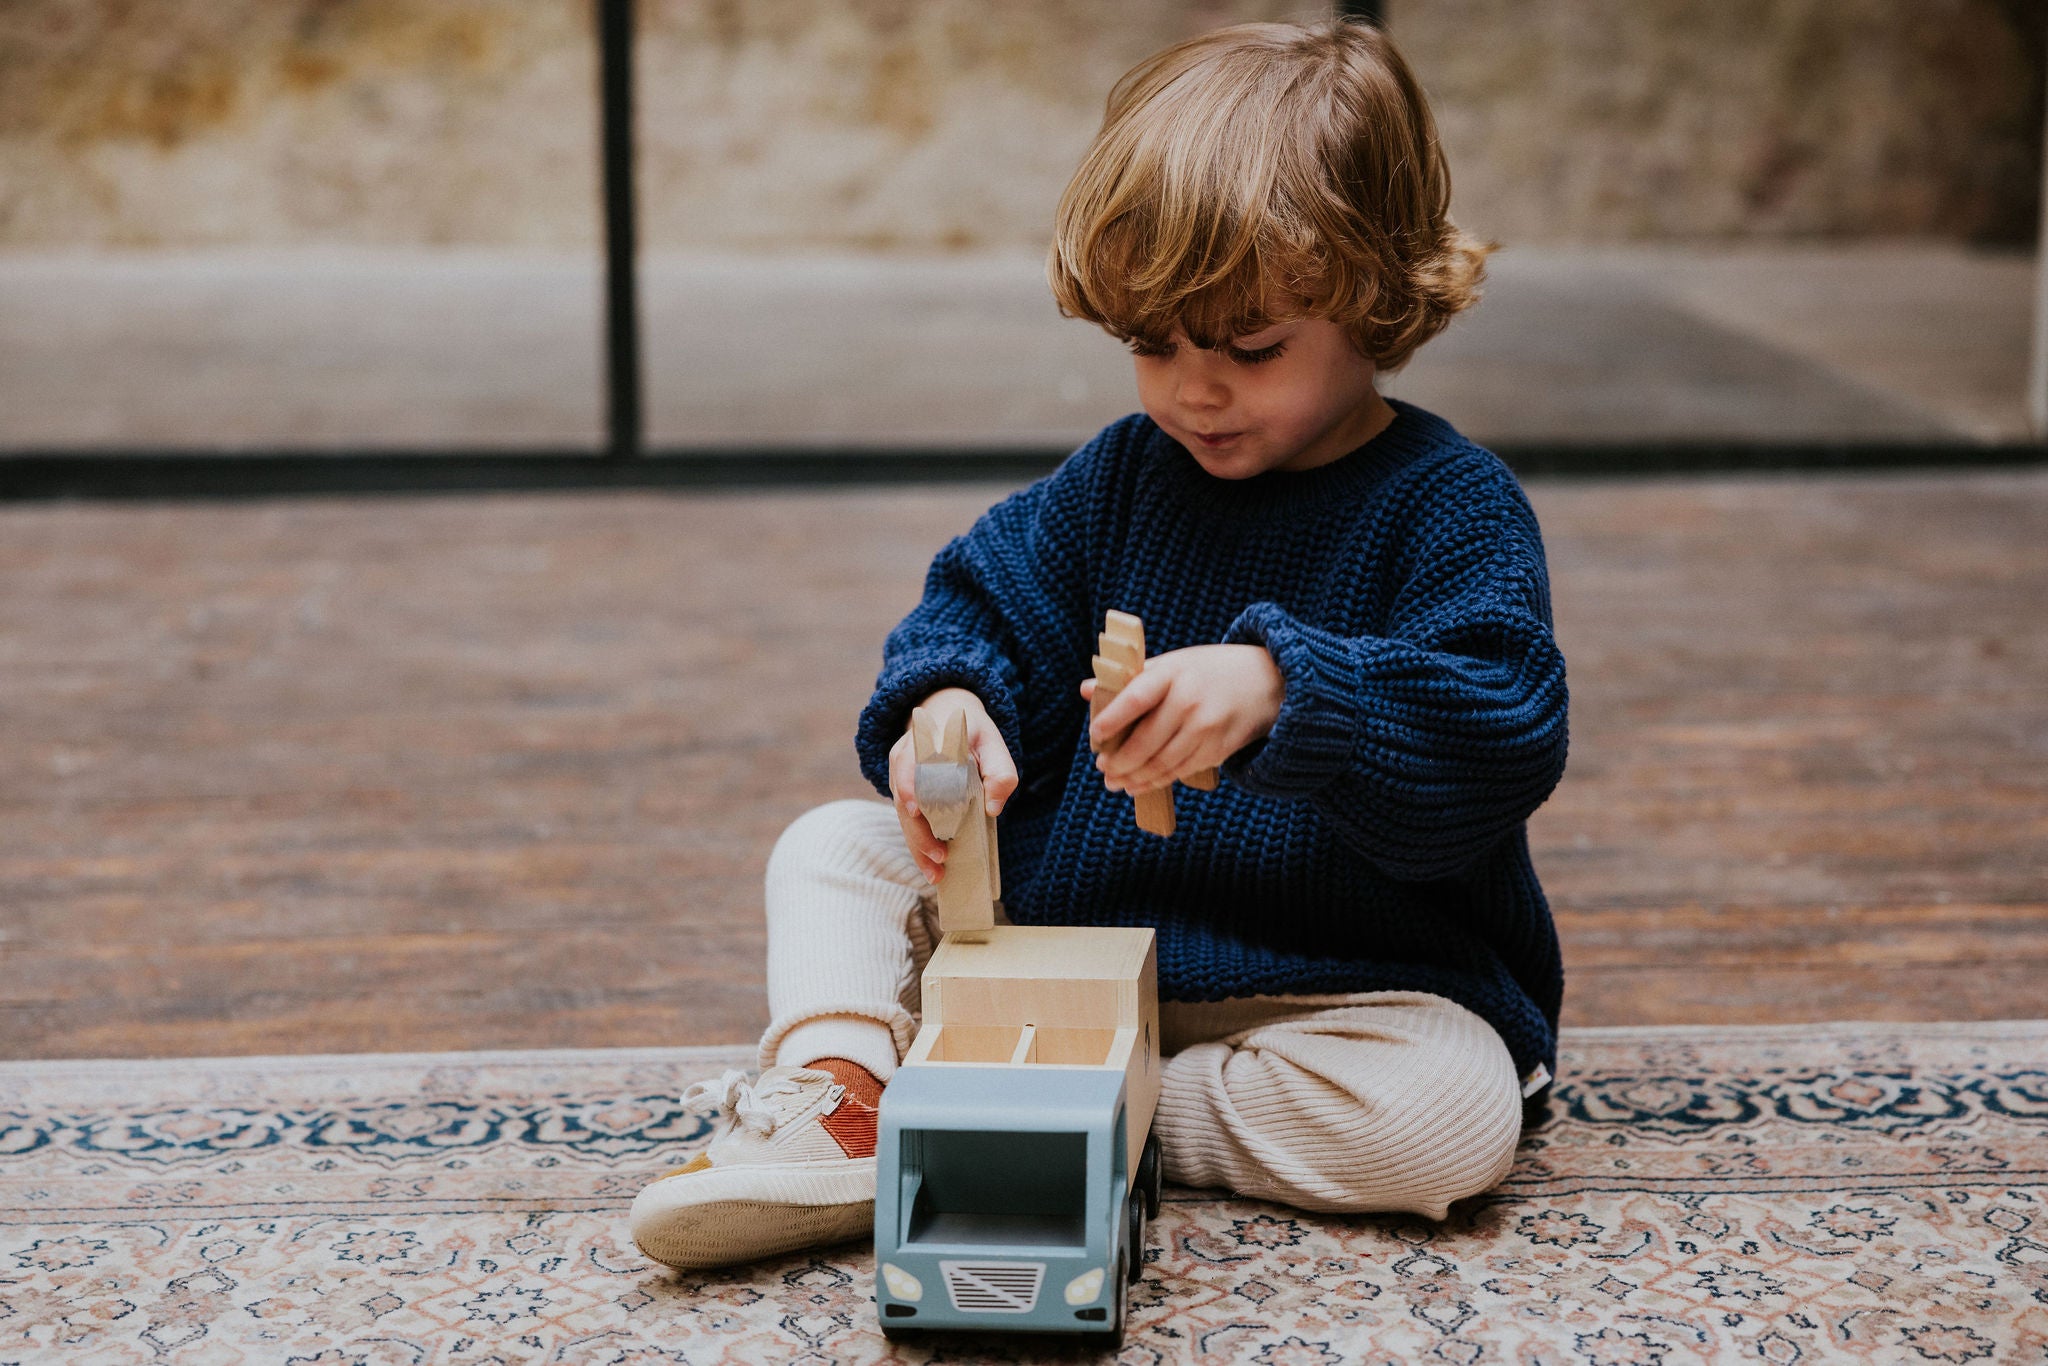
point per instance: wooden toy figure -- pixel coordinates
(1122, 658)
(949, 793)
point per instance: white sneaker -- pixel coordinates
(794, 1167)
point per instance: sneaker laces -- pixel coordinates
(755, 1107)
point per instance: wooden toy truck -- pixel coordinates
(1015, 1167)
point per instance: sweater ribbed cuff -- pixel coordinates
(1314, 739)
(909, 680)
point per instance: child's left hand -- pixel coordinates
(1186, 710)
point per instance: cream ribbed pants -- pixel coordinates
(1375, 1102)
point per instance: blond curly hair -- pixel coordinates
(1260, 173)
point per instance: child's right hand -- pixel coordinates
(991, 755)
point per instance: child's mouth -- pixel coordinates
(1218, 440)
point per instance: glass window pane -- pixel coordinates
(247, 224)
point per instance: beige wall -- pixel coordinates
(791, 124)
(1602, 119)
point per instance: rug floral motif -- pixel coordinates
(1785, 1194)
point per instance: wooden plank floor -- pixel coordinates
(503, 772)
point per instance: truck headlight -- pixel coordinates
(905, 1286)
(1085, 1288)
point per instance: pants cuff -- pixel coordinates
(857, 1038)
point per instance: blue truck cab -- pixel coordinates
(1015, 1169)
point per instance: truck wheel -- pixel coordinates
(1150, 1175)
(1122, 1306)
(1136, 1261)
(896, 1334)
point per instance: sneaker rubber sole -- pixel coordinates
(726, 1216)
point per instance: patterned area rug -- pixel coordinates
(1839, 1193)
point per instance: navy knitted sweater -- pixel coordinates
(1374, 840)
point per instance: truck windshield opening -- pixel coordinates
(976, 1188)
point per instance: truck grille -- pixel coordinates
(993, 1287)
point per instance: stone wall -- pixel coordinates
(952, 124)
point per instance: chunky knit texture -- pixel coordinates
(1375, 839)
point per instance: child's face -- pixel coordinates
(1292, 397)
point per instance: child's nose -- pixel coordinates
(1200, 391)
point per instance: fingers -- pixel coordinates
(927, 850)
(1188, 710)
(1149, 756)
(1141, 695)
(1180, 754)
(1156, 714)
(1175, 735)
(998, 770)
(1132, 752)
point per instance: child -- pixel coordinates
(1359, 977)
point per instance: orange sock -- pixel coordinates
(860, 1083)
(856, 1127)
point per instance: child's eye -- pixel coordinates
(1258, 357)
(1140, 347)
